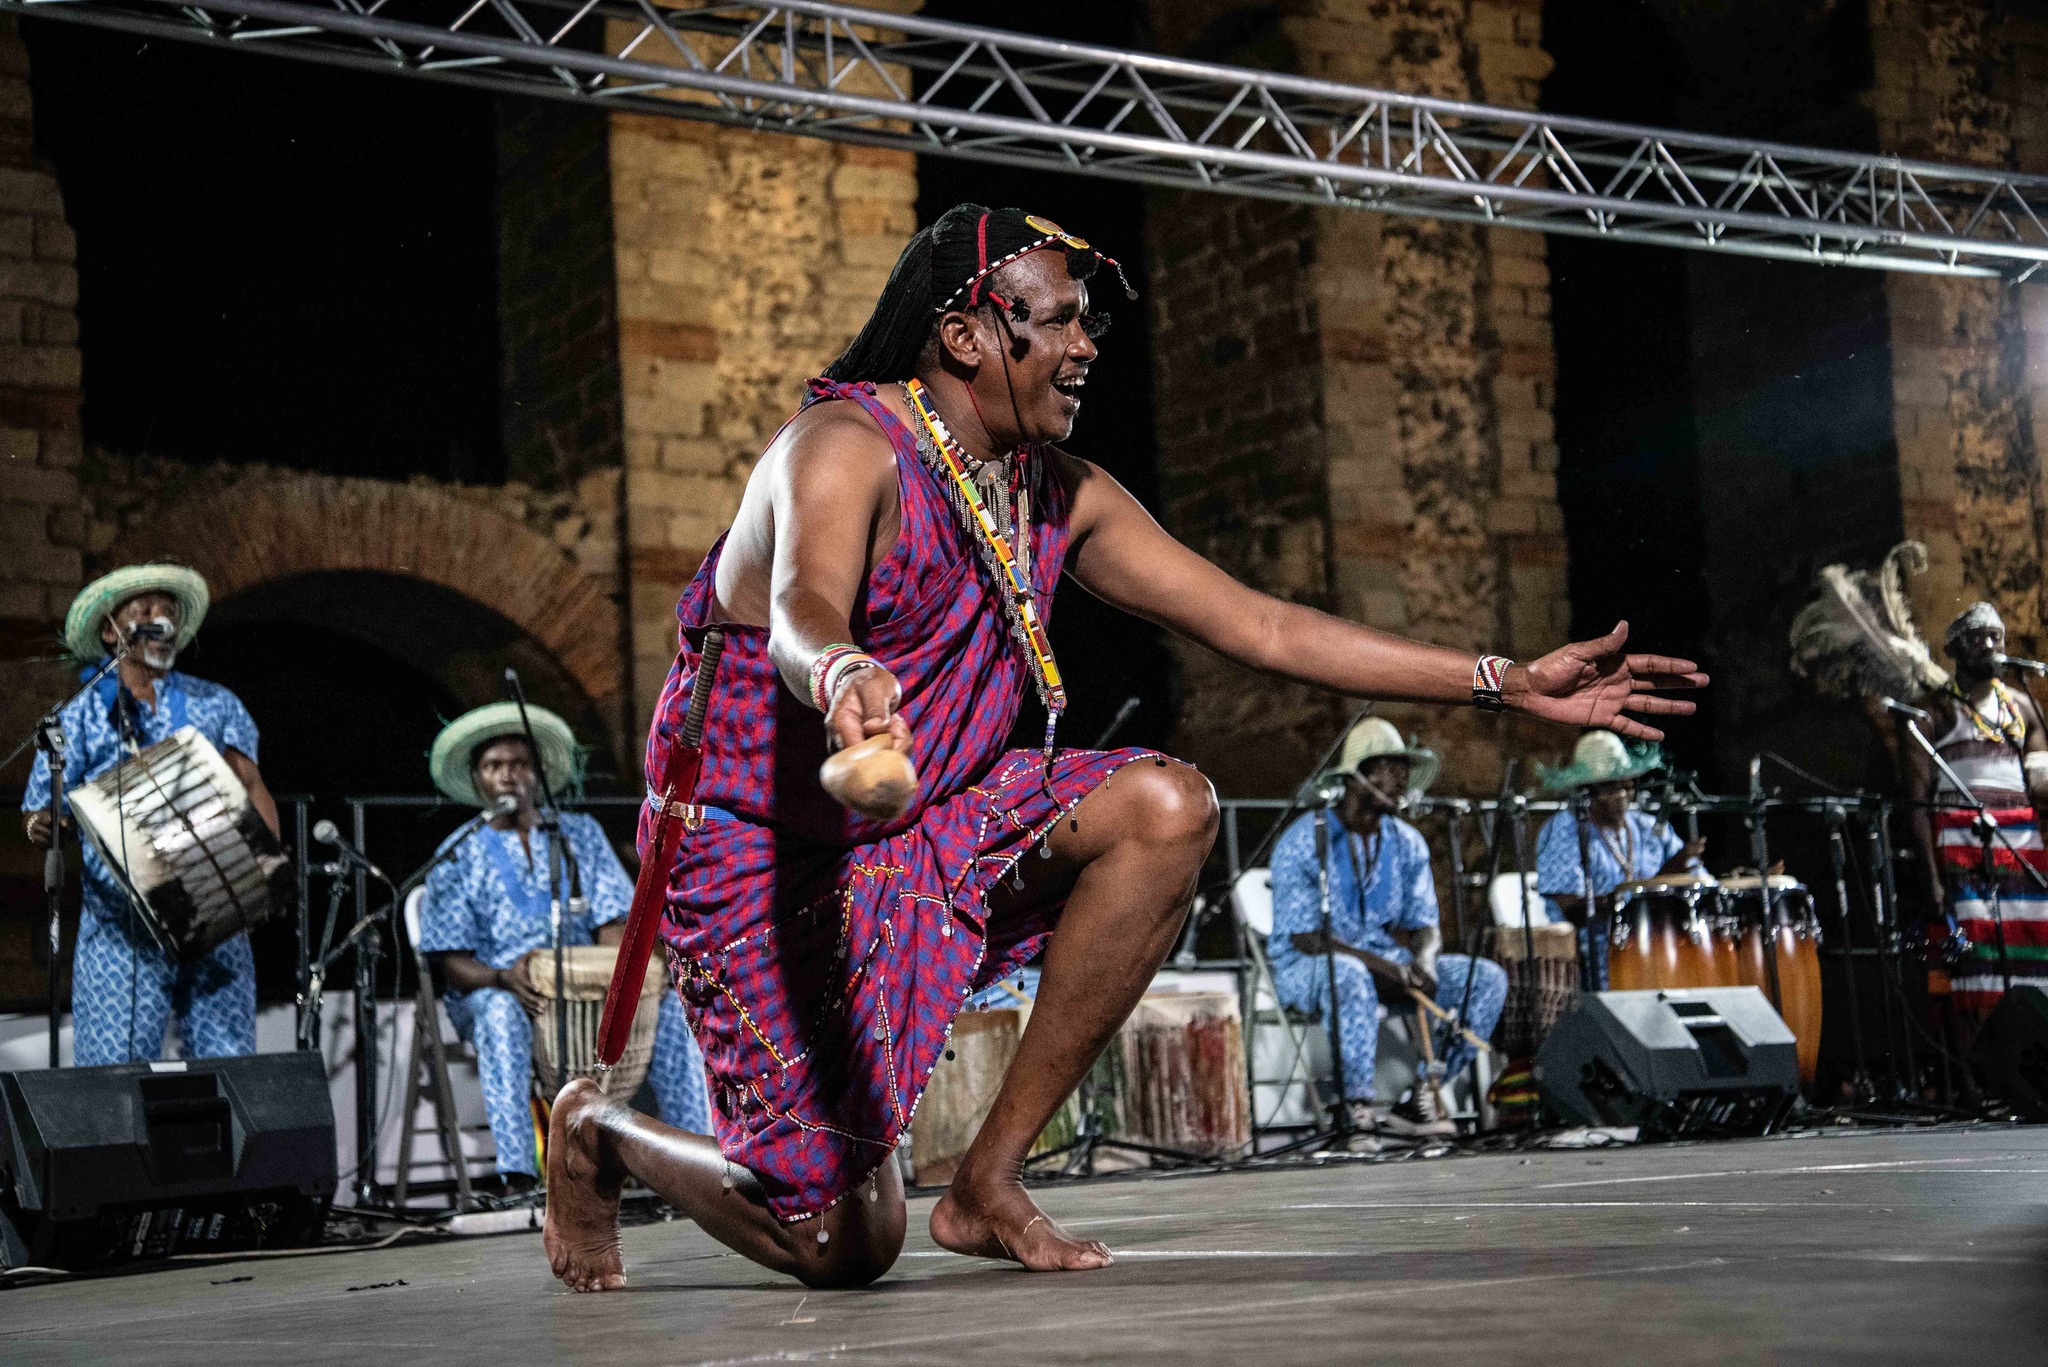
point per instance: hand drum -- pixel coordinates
(872, 778)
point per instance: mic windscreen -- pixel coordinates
(326, 833)
(505, 805)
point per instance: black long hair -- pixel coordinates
(936, 265)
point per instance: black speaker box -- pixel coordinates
(1698, 1061)
(143, 1160)
(2011, 1055)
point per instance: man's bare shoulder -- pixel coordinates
(833, 443)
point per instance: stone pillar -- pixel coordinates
(1355, 408)
(42, 526)
(746, 262)
(1956, 81)
(40, 521)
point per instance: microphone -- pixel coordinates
(2004, 661)
(1380, 795)
(326, 833)
(1905, 709)
(505, 805)
(162, 629)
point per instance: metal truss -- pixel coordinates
(859, 75)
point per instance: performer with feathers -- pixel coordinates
(1857, 641)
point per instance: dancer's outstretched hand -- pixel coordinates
(1592, 684)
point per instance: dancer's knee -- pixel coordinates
(1175, 805)
(849, 1271)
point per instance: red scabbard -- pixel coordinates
(650, 890)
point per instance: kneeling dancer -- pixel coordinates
(892, 566)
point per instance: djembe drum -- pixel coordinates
(1540, 990)
(177, 829)
(1180, 1080)
(586, 977)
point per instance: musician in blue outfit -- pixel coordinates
(1622, 845)
(488, 907)
(1382, 901)
(125, 988)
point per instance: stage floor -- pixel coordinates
(1872, 1247)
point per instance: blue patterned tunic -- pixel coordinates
(124, 989)
(1398, 894)
(491, 900)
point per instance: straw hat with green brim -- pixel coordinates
(104, 596)
(1374, 739)
(1600, 757)
(449, 760)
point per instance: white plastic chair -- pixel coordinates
(1500, 896)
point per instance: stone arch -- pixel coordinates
(242, 529)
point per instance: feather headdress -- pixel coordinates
(1856, 639)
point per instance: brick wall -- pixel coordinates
(1969, 83)
(1387, 450)
(746, 262)
(41, 527)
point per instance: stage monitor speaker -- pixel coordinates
(1698, 1061)
(140, 1161)
(2011, 1055)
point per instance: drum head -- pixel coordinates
(1749, 882)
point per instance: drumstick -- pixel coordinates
(873, 778)
(1425, 1036)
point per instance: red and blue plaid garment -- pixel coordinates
(823, 956)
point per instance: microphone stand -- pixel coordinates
(1582, 821)
(365, 931)
(1340, 1113)
(559, 861)
(1759, 852)
(48, 738)
(317, 972)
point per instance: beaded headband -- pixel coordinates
(1049, 234)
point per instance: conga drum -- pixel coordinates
(1660, 934)
(1540, 990)
(1794, 940)
(586, 977)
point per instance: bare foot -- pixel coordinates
(999, 1219)
(581, 1233)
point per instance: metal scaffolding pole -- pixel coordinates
(857, 75)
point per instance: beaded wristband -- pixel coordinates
(842, 669)
(823, 661)
(1487, 677)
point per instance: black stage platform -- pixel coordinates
(1919, 1247)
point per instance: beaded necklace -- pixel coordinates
(2011, 726)
(1621, 849)
(1008, 566)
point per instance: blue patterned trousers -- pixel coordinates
(124, 992)
(493, 1021)
(1305, 986)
